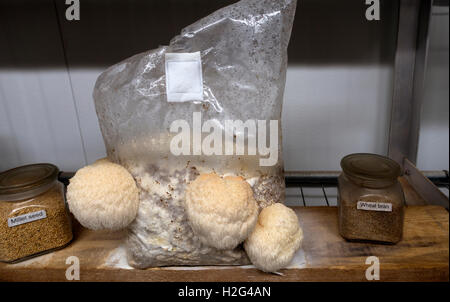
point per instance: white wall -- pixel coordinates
(333, 111)
(38, 123)
(337, 98)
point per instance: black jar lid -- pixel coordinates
(371, 170)
(27, 179)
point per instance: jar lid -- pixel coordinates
(27, 178)
(370, 168)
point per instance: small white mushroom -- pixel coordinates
(275, 238)
(221, 211)
(103, 196)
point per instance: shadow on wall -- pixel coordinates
(325, 31)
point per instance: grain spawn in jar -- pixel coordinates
(33, 214)
(371, 200)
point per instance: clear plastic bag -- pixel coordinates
(243, 51)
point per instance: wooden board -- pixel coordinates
(422, 255)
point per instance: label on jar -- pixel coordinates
(374, 206)
(25, 218)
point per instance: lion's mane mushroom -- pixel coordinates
(221, 211)
(275, 238)
(103, 196)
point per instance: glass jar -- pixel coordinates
(371, 200)
(33, 214)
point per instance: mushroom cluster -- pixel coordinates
(103, 195)
(275, 239)
(221, 211)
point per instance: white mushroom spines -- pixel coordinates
(103, 196)
(221, 211)
(275, 238)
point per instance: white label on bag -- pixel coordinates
(184, 80)
(374, 206)
(25, 218)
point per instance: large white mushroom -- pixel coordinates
(275, 238)
(103, 195)
(221, 211)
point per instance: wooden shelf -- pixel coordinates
(422, 255)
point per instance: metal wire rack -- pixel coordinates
(308, 189)
(311, 189)
(320, 188)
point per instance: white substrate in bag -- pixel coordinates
(243, 58)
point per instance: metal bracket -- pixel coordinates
(426, 189)
(410, 66)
